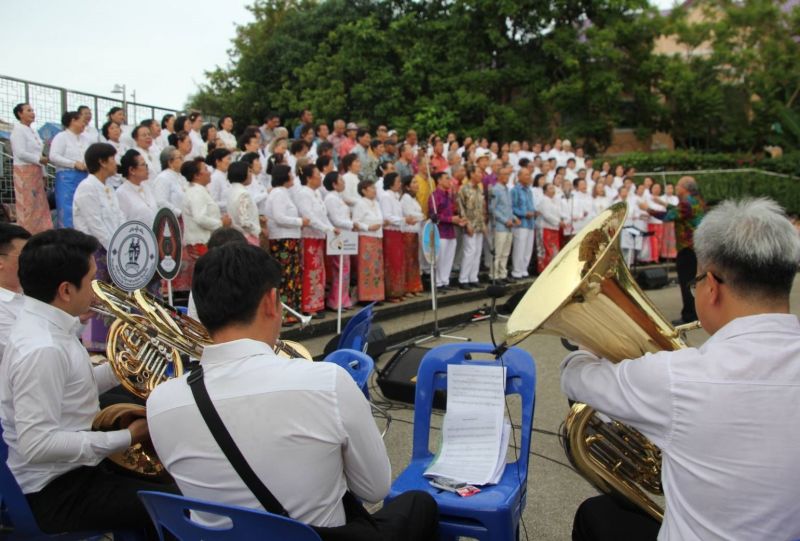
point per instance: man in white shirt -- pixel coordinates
(12, 240)
(319, 440)
(49, 398)
(723, 414)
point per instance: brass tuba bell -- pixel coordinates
(587, 294)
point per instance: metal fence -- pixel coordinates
(50, 102)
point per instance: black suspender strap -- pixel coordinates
(228, 446)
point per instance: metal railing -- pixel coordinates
(50, 102)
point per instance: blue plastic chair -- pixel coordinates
(16, 513)
(168, 512)
(495, 512)
(354, 335)
(359, 365)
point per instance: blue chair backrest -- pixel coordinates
(168, 512)
(354, 335)
(432, 376)
(13, 504)
(359, 365)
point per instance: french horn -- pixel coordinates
(588, 295)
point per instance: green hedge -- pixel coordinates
(718, 186)
(689, 160)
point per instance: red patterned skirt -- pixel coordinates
(288, 252)
(411, 263)
(656, 240)
(394, 264)
(313, 297)
(191, 253)
(668, 248)
(370, 269)
(550, 243)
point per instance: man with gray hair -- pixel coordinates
(725, 414)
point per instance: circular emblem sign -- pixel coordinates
(132, 256)
(430, 240)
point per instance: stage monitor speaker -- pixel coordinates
(376, 343)
(654, 278)
(398, 380)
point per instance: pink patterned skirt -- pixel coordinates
(33, 212)
(313, 296)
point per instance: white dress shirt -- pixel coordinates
(338, 211)
(48, 399)
(137, 202)
(66, 149)
(305, 429)
(367, 212)
(599, 204)
(163, 139)
(310, 205)
(10, 307)
(152, 157)
(258, 191)
(550, 213)
(95, 210)
(169, 188)
(197, 146)
(218, 188)
(228, 139)
(350, 194)
(26, 145)
(242, 209)
(90, 135)
(201, 215)
(392, 210)
(411, 207)
(284, 219)
(724, 416)
(582, 210)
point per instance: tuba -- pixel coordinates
(587, 294)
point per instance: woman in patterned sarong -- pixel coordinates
(33, 212)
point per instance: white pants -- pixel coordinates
(444, 261)
(502, 248)
(521, 252)
(488, 245)
(471, 260)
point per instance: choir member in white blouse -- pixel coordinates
(393, 252)
(89, 134)
(194, 124)
(145, 147)
(369, 219)
(118, 115)
(340, 216)
(67, 154)
(412, 212)
(310, 205)
(30, 194)
(600, 202)
(258, 191)
(285, 225)
(167, 129)
(136, 198)
(224, 133)
(654, 225)
(169, 186)
(155, 132)
(351, 166)
(219, 160)
(97, 213)
(583, 210)
(549, 211)
(241, 207)
(201, 216)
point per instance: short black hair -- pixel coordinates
(330, 180)
(9, 232)
(249, 158)
(280, 175)
(190, 169)
(148, 122)
(127, 162)
(18, 109)
(306, 172)
(106, 126)
(246, 137)
(363, 185)
(165, 119)
(347, 162)
(323, 161)
(222, 119)
(113, 110)
(225, 235)
(270, 116)
(324, 147)
(68, 117)
(177, 137)
(180, 123)
(204, 129)
(361, 132)
(137, 129)
(96, 153)
(238, 172)
(229, 283)
(53, 257)
(375, 143)
(216, 155)
(438, 176)
(305, 128)
(297, 146)
(389, 180)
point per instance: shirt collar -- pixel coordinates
(756, 324)
(56, 316)
(6, 295)
(235, 350)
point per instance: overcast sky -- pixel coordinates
(159, 48)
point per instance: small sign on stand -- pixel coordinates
(132, 256)
(343, 244)
(168, 238)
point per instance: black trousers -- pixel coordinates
(686, 265)
(412, 516)
(604, 518)
(94, 498)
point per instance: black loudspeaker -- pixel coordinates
(512, 302)
(398, 380)
(376, 343)
(654, 278)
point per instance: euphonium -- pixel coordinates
(587, 294)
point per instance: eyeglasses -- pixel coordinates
(700, 278)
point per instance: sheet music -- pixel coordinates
(473, 428)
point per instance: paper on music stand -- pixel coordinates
(472, 447)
